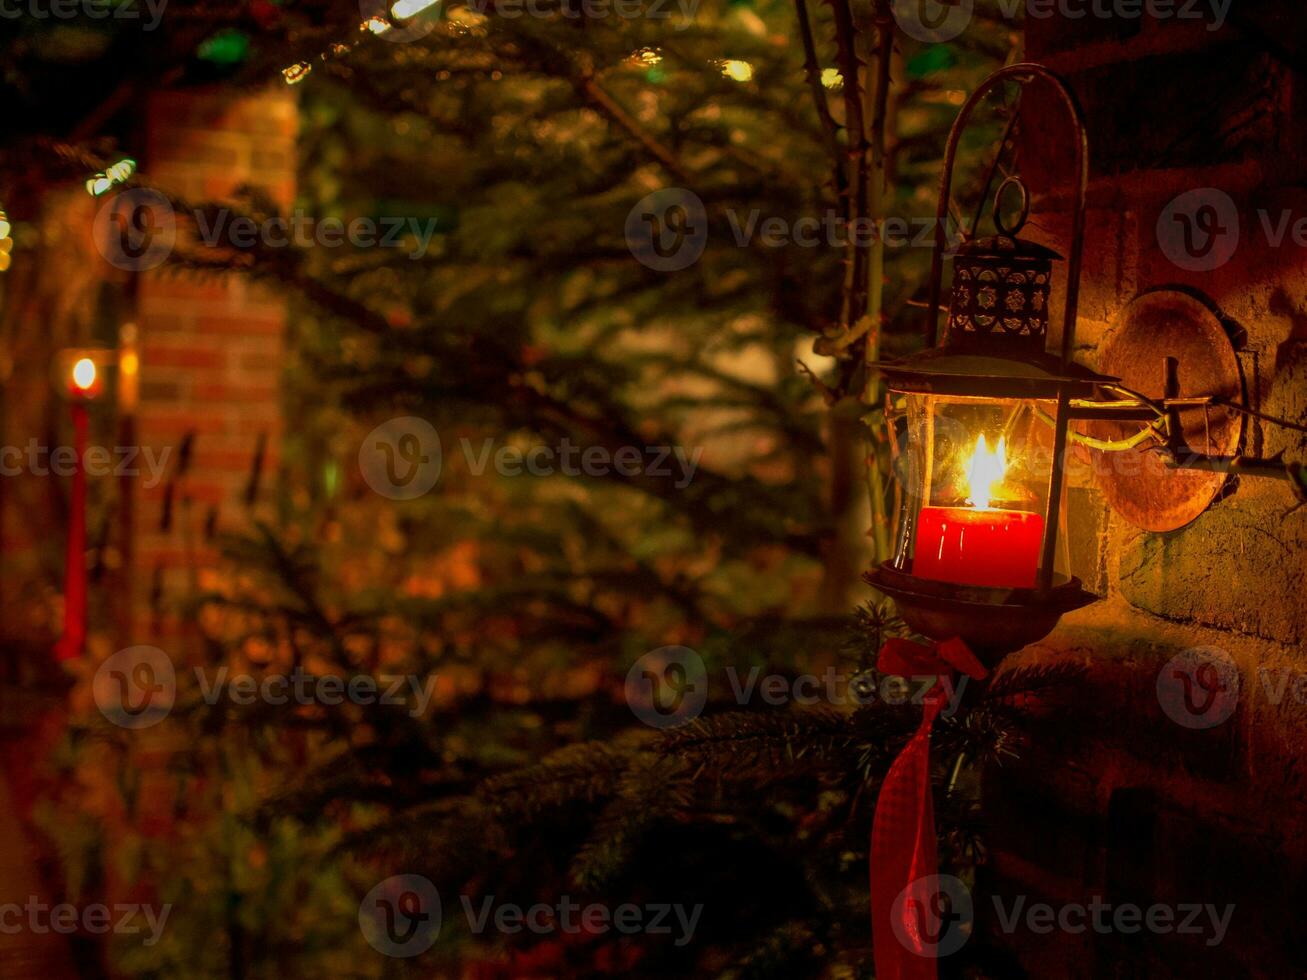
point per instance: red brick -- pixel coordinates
(154, 424)
(182, 357)
(237, 393)
(270, 323)
(184, 287)
(224, 459)
(161, 322)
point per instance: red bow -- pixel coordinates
(904, 854)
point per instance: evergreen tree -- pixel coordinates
(528, 142)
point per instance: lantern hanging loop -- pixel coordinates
(1022, 214)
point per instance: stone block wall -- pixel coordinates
(1115, 798)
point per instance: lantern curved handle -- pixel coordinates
(1024, 73)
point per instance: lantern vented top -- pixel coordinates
(999, 301)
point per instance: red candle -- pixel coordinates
(84, 384)
(974, 546)
(72, 642)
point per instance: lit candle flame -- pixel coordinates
(985, 472)
(84, 374)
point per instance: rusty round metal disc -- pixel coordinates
(1137, 483)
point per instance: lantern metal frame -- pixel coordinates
(1034, 375)
(995, 621)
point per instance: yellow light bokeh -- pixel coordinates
(297, 73)
(741, 71)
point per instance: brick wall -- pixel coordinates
(1114, 798)
(210, 355)
(210, 348)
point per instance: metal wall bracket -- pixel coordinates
(1170, 348)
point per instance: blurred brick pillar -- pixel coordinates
(210, 348)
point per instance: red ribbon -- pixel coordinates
(73, 640)
(904, 851)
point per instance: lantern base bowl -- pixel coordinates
(993, 622)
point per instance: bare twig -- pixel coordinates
(833, 346)
(855, 150)
(829, 395)
(812, 69)
(878, 180)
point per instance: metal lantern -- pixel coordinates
(981, 433)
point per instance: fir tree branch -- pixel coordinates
(741, 744)
(596, 95)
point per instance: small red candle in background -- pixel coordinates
(84, 384)
(979, 545)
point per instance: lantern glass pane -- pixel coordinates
(973, 478)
